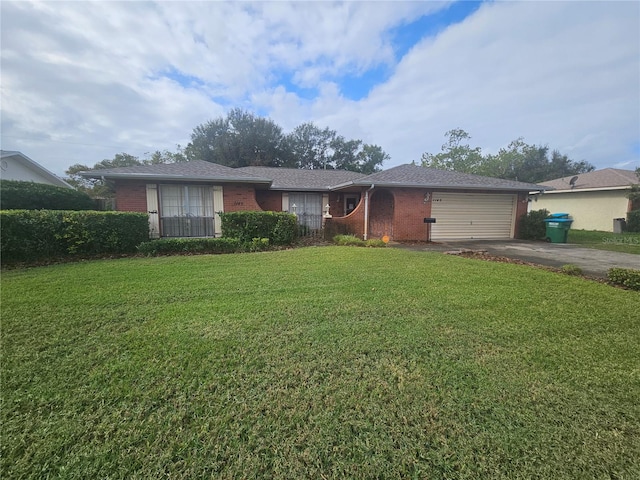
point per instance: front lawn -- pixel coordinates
(613, 242)
(332, 362)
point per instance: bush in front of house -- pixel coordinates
(531, 226)
(627, 277)
(35, 235)
(280, 228)
(348, 240)
(18, 195)
(352, 240)
(168, 246)
(633, 221)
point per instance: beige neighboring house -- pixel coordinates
(17, 166)
(592, 199)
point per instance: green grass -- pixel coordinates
(324, 362)
(614, 242)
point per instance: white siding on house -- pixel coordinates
(472, 216)
(589, 210)
(16, 167)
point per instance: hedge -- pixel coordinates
(279, 227)
(167, 246)
(18, 195)
(531, 226)
(626, 277)
(633, 221)
(29, 235)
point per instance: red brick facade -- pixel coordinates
(268, 200)
(131, 196)
(400, 213)
(396, 212)
(239, 197)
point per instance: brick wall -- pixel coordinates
(269, 201)
(352, 224)
(131, 196)
(410, 209)
(521, 209)
(240, 197)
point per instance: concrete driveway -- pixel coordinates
(591, 261)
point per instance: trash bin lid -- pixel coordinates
(560, 215)
(559, 220)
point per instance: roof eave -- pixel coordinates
(593, 189)
(505, 188)
(300, 189)
(163, 176)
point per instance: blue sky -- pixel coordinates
(83, 81)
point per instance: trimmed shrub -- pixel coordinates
(18, 195)
(571, 269)
(633, 221)
(348, 240)
(375, 243)
(626, 277)
(531, 226)
(279, 227)
(29, 235)
(167, 246)
(353, 241)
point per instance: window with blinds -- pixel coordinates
(186, 211)
(308, 209)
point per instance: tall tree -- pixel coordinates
(238, 140)
(312, 147)
(456, 154)
(518, 161)
(96, 187)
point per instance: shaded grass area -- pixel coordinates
(326, 362)
(613, 242)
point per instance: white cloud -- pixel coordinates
(103, 76)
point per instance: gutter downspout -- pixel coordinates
(366, 211)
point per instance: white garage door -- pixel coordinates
(472, 215)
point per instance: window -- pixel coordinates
(308, 209)
(186, 211)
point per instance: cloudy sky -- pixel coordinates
(82, 81)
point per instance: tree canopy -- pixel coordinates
(98, 188)
(240, 139)
(243, 139)
(518, 161)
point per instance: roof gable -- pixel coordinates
(37, 172)
(607, 177)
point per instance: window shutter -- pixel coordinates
(218, 206)
(152, 210)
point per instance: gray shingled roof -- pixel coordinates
(607, 177)
(195, 170)
(414, 176)
(296, 179)
(312, 180)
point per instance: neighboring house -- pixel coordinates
(182, 199)
(17, 166)
(592, 199)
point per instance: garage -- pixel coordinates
(473, 216)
